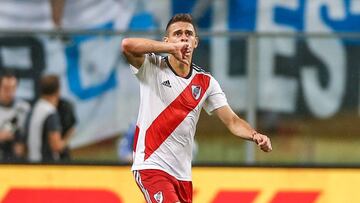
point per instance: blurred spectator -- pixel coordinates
(68, 122)
(44, 140)
(13, 113)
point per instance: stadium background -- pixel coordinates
(290, 67)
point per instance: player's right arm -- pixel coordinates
(57, 144)
(134, 50)
(241, 128)
(53, 129)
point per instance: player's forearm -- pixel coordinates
(57, 144)
(140, 46)
(236, 125)
(241, 128)
(68, 135)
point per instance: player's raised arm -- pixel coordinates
(134, 50)
(241, 128)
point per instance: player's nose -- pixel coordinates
(184, 39)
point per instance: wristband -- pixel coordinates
(253, 135)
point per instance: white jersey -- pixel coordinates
(170, 107)
(13, 117)
(42, 109)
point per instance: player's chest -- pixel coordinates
(173, 88)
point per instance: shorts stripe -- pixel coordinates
(143, 189)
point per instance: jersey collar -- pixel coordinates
(11, 104)
(172, 69)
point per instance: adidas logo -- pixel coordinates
(166, 83)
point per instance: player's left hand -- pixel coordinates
(262, 141)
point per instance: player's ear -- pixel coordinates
(196, 41)
(165, 39)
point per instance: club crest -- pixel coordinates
(158, 197)
(196, 91)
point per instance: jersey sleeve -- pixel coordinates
(216, 97)
(52, 123)
(148, 68)
(66, 114)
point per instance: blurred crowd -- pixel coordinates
(40, 133)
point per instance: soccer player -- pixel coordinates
(173, 91)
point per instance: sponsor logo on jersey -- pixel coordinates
(166, 83)
(196, 90)
(158, 197)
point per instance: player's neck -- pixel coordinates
(6, 102)
(180, 69)
(51, 99)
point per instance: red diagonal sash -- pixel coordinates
(168, 120)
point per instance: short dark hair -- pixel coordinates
(6, 74)
(49, 85)
(181, 17)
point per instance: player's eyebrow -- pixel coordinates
(187, 31)
(178, 31)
